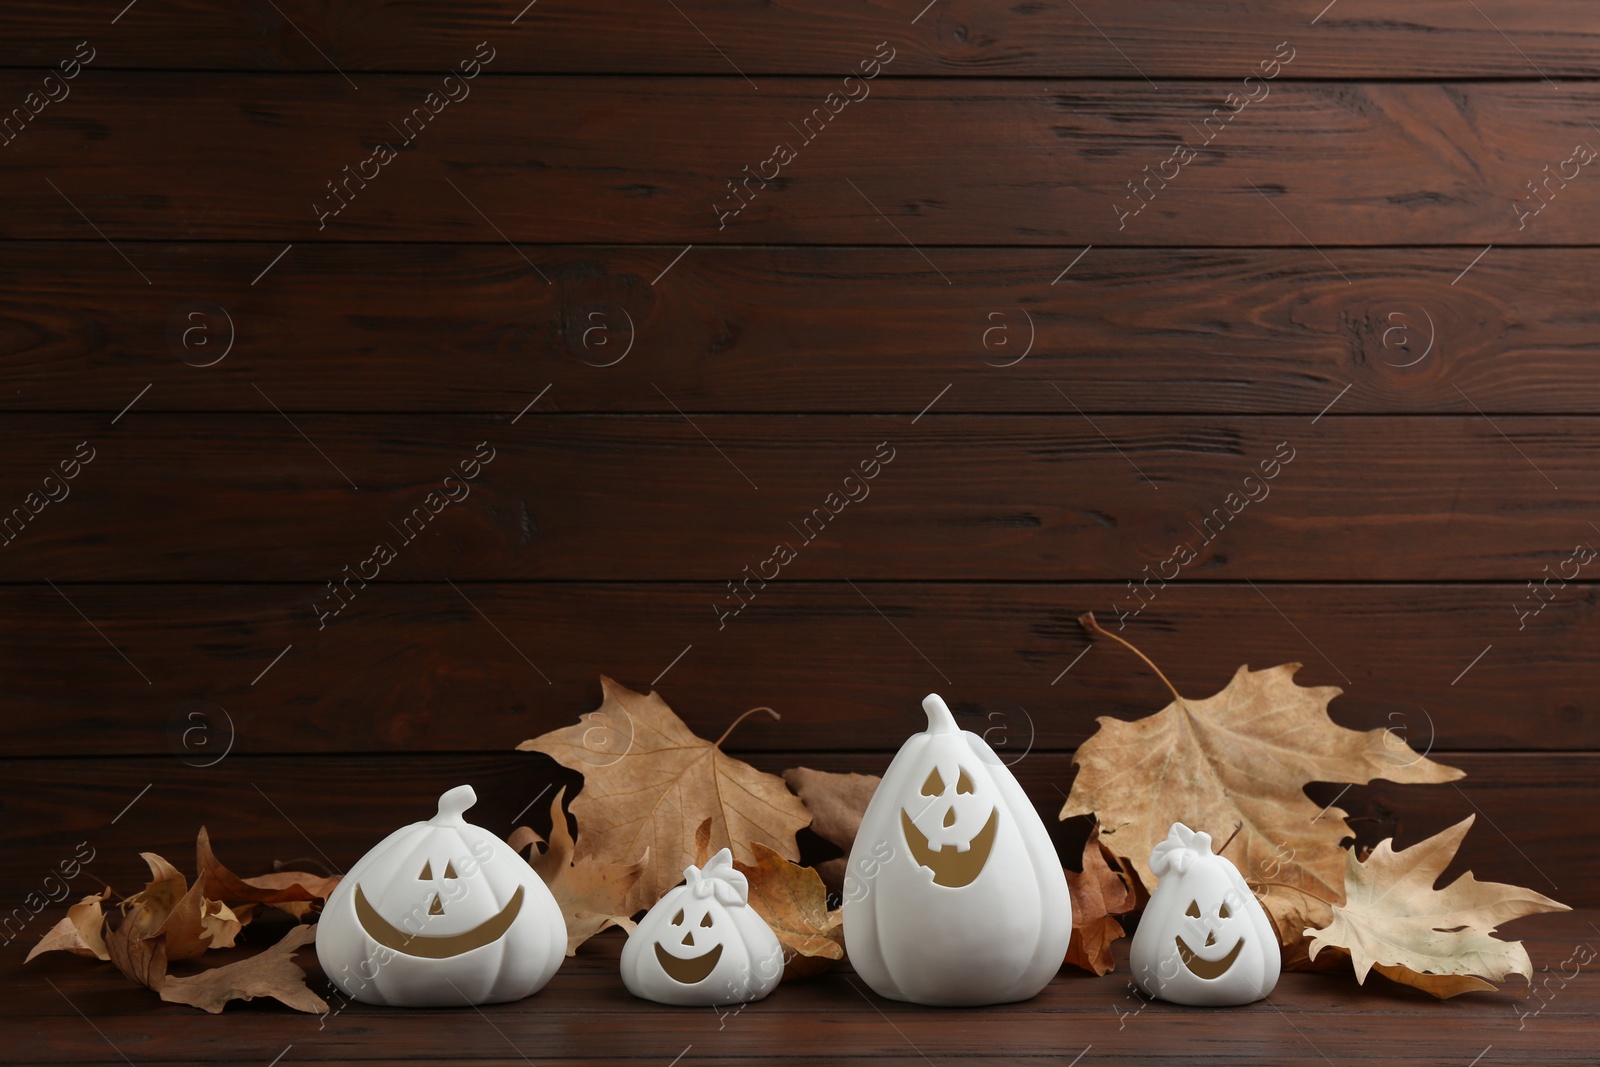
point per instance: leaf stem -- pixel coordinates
(740, 719)
(1090, 623)
(1231, 836)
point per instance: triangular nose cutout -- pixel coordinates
(1211, 939)
(436, 908)
(688, 939)
(950, 817)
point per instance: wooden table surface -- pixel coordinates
(91, 1015)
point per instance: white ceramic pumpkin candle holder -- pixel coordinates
(1204, 938)
(441, 913)
(703, 943)
(954, 894)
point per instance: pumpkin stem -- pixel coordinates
(1090, 623)
(940, 720)
(740, 719)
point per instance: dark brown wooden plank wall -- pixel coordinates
(1351, 263)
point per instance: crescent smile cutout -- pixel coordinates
(951, 867)
(688, 971)
(1204, 968)
(434, 946)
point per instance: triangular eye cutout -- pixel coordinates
(1194, 909)
(964, 782)
(427, 871)
(449, 869)
(934, 785)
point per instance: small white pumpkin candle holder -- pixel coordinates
(1204, 938)
(441, 913)
(703, 943)
(954, 894)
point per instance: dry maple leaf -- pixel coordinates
(80, 932)
(836, 801)
(1291, 911)
(294, 892)
(793, 901)
(1438, 940)
(648, 783)
(137, 946)
(1241, 756)
(270, 973)
(1098, 895)
(592, 893)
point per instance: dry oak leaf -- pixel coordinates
(1438, 940)
(81, 932)
(836, 801)
(294, 892)
(648, 783)
(1244, 757)
(1098, 895)
(592, 893)
(270, 973)
(793, 901)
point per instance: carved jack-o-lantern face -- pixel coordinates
(954, 894)
(697, 935)
(437, 946)
(950, 828)
(441, 912)
(1204, 938)
(1203, 962)
(702, 942)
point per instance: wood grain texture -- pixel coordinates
(573, 160)
(467, 328)
(1101, 38)
(1062, 497)
(585, 1015)
(418, 668)
(323, 813)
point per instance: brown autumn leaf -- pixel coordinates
(138, 946)
(80, 932)
(1438, 940)
(141, 958)
(702, 842)
(269, 973)
(1099, 894)
(1290, 911)
(793, 901)
(197, 923)
(294, 892)
(1241, 756)
(836, 801)
(633, 746)
(592, 893)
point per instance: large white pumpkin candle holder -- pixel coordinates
(441, 913)
(703, 943)
(1204, 938)
(954, 895)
